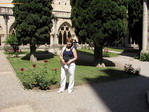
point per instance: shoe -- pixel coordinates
(60, 91)
(69, 92)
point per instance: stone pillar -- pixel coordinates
(6, 24)
(145, 26)
(57, 39)
(51, 39)
(66, 34)
(55, 31)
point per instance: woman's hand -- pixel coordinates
(63, 62)
(68, 62)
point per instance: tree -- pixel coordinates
(33, 22)
(79, 14)
(12, 41)
(135, 14)
(101, 22)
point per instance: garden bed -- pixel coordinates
(85, 72)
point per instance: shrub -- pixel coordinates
(11, 52)
(6, 48)
(106, 52)
(53, 78)
(39, 77)
(144, 57)
(12, 41)
(129, 69)
(27, 79)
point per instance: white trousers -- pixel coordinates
(70, 72)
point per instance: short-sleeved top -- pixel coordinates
(68, 53)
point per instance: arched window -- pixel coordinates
(69, 34)
(60, 38)
(65, 31)
(64, 37)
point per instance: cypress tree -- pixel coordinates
(33, 22)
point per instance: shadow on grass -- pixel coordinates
(112, 74)
(41, 55)
(117, 95)
(130, 52)
(84, 58)
(87, 59)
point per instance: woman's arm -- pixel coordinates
(61, 56)
(75, 56)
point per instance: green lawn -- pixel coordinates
(86, 51)
(84, 73)
(124, 50)
(91, 52)
(116, 49)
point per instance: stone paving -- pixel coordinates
(126, 95)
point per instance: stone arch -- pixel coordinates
(1, 30)
(11, 29)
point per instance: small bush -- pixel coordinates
(27, 79)
(6, 48)
(11, 52)
(129, 69)
(106, 52)
(144, 57)
(38, 77)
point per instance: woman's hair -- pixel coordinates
(69, 40)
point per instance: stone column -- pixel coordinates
(66, 34)
(51, 39)
(6, 24)
(55, 31)
(145, 26)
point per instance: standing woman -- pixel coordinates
(68, 56)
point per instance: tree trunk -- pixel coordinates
(98, 60)
(33, 58)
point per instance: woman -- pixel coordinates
(68, 56)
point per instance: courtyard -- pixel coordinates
(123, 95)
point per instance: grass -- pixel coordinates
(116, 49)
(124, 50)
(111, 54)
(84, 74)
(91, 52)
(19, 63)
(22, 52)
(86, 51)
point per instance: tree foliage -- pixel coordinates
(99, 21)
(79, 15)
(33, 21)
(135, 13)
(12, 41)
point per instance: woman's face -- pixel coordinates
(69, 44)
